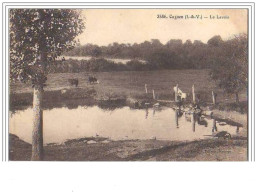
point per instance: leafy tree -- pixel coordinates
(172, 55)
(188, 43)
(163, 59)
(230, 65)
(37, 37)
(174, 43)
(198, 43)
(215, 41)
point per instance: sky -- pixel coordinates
(105, 26)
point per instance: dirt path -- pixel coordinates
(137, 150)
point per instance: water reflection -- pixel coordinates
(187, 117)
(237, 129)
(178, 114)
(146, 112)
(61, 124)
(74, 104)
(214, 125)
(176, 118)
(193, 121)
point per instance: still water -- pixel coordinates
(124, 123)
(115, 60)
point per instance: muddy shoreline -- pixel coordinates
(136, 150)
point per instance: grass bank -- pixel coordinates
(130, 84)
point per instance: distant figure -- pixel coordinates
(187, 117)
(73, 82)
(197, 110)
(181, 95)
(180, 113)
(202, 121)
(63, 91)
(92, 79)
(63, 59)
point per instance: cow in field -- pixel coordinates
(73, 82)
(92, 79)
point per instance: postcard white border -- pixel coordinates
(128, 177)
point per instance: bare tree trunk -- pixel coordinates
(237, 98)
(37, 134)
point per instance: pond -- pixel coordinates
(123, 123)
(115, 60)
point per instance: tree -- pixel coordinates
(230, 65)
(215, 41)
(198, 43)
(37, 37)
(163, 59)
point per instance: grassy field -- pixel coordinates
(132, 84)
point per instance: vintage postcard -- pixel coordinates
(128, 84)
(97, 86)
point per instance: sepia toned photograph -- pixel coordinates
(128, 84)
